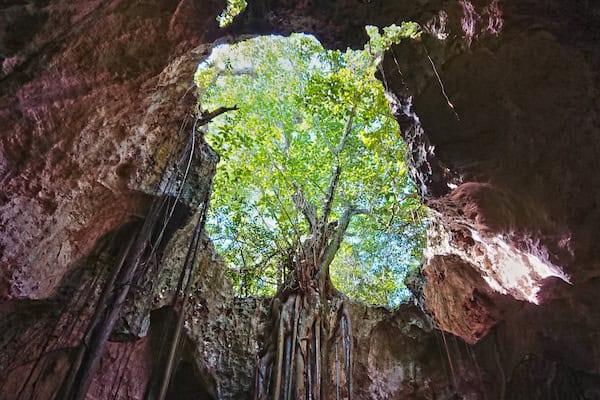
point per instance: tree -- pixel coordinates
(307, 161)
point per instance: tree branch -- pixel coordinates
(207, 117)
(306, 207)
(338, 236)
(329, 196)
(327, 142)
(347, 130)
(249, 71)
(287, 215)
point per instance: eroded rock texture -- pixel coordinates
(498, 104)
(88, 111)
(512, 118)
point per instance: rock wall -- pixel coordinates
(89, 109)
(510, 120)
(498, 107)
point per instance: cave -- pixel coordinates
(186, 386)
(496, 103)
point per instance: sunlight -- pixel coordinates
(505, 268)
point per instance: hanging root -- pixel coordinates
(293, 345)
(288, 367)
(280, 348)
(337, 371)
(294, 362)
(343, 334)
(317, 359)
(449, 359)
(347, 344)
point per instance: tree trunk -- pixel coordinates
(308, 330)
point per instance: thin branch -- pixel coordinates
(308, 209)
(329, 195)
(260, 214)
(327, 142)
(299, 196)
(207, 117)
(338, 236)
(347, 130)
(315, 184)
(287, 215)
(249, 71)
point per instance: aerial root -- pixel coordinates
(294, 364)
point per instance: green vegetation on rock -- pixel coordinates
(234, 7)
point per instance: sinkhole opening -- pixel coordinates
(313, 172)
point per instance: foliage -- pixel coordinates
(392, 34)
(295, 100)
(234, 7)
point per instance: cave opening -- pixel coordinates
(312, 205)
(91, 112)
(304, 135)
(187, 385)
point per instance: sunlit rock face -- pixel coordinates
(516, 205)
(516, 134)
(480, 224)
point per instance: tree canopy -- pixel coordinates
(304, 113)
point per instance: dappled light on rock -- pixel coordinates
(504, 267)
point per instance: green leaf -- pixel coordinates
(295, 99)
